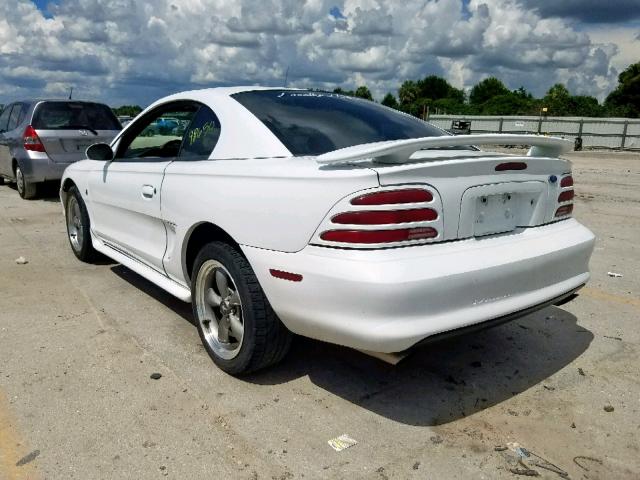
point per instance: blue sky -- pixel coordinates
(134, 51)
(43, 6)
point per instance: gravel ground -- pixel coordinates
(78, 344)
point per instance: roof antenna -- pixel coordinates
(70, 93)
(286, 76)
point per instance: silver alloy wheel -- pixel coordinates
(219, 309)
(19, 180)
(75, 228)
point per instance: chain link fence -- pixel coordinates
(618, 133)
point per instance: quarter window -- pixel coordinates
(16, 116)
(202, 135)
(4, 118)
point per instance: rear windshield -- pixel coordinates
(73, 115)
(313, 123)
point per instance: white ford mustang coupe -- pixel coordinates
(281, 210)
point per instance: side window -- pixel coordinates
(202, 135)
(159, 133)
(23, 112)
(4, 118)
(15, 117)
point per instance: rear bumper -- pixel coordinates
(476, 327)
(389, 300)
(38, 167)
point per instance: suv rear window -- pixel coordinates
(74, 115)
(313, 123)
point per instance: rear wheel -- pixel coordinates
(236, 323)
(26, 189)
(78, 227)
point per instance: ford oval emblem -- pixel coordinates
(553, 179)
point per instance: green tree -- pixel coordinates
(363, 92)
(523, 93)
(508, 104)
(408, 93)
(340, 91)
(487, 89)
(127, 110)
(390, 101)
(586, 106)
(435, 88)
(558, 100)
(625, 99)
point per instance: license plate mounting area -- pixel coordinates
(501, 207)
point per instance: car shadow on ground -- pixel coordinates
(436, 384)
(47, 191)
(178, 306)
(447, 380)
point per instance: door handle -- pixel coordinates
(148, 191)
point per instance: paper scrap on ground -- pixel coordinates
(614, 274)
(341, 442)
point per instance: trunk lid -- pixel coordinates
(478, 199)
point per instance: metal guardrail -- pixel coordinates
(615, 133)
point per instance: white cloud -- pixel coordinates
(135, 51)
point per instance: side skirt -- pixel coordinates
(164, 282)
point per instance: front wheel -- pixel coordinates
(236, 323)
(26, 189)
(78, 227)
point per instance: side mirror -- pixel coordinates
(100, 151)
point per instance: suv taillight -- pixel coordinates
(565, 198)
(31, 141)
(386, 217)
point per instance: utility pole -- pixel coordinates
(286, 76)
(70, 93)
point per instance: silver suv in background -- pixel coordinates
(40, 138)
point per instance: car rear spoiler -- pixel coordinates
(400, 151)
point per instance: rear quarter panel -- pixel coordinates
(273, 204)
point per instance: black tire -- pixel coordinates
(265, 340)
(27, 190)
(81, 247)
(2, 181)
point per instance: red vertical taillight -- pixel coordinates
(394, 197)
(566, 182)
(31, 141)
(565, 198)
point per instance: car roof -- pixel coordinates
(39, 100)
(206, 94)
(228, 91)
